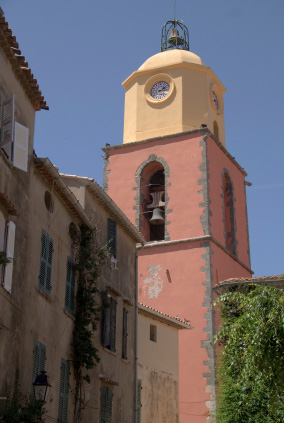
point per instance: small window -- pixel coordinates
(109, 322)
(63, 391)
(45, 263)
(39, 358)
(48, 201)
(216, 129)
(111, 237)
(153, 333)
(70, 287)
(14, 140)
(105, 405)
(124, 334)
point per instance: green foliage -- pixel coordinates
(89, 261)
(3, 258)
(20, 409)
(251, 371)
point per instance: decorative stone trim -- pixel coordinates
(107, 380)
(113, 291)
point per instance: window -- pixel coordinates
(111, 237)
(38, 360)
(139, 403)
(105, 405)
(216, 129)
(152, 199)
(14, 139)
(63, 391)
(70, 287)
(7, 243)
(229, 214)
(45, 263)
(124, 334)
(109, 322)
(153, 333)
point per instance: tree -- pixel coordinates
(251, 371)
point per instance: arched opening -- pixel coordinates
(229, 214)
(216, 129)
(152, 200)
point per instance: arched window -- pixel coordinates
(229, 214)
(216, 129)
(152, 200)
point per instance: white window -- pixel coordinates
(14, 139)
(7, 243)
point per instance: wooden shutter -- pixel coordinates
(2, 231)
(21, 147)
(8, 272)
(124, 334)
(104, 318)
(7, 127)
(111, 236)
(70, 286)
(45, 263)
(113, 303)
(139, 404)
(105, 405)
(39, 358)
(64, 391)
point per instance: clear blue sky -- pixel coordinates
(81, 51)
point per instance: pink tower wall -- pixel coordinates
(176, 276)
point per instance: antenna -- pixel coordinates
(174, 9)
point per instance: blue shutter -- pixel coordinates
(105, 405)
(45, 263)
(113, 303)
(64, 391)
(111, 236)
(70, 286)
(39, 358)
(124, 334)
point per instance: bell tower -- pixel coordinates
(174, 178)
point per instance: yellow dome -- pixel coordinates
(171, 57)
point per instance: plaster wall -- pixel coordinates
(173, 279)
(183, 156)
(158, 370)
(186, 108)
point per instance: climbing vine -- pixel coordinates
(251, 370)
(90, 258)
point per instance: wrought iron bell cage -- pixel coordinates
(174, 35)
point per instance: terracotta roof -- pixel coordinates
(246, 281)
(19, 65)
(162, 317)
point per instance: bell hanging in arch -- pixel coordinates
(157, 217)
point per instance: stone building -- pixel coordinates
(38, 286)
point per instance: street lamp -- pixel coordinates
(41, 387)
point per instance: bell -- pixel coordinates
(175, 39)
(157, 217)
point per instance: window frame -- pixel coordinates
(45, 270)
(109, 314)
(70, 287)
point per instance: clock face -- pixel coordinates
(215, 100)
(160, 90)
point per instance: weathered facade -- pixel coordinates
(158, 366)
(38, 287)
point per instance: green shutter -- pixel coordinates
(139, 404)
(111, 236)
(70, 286)
(45, 263)
(104, 318)
(39, 357)
(113, 303)
(105, 405)
(64, 391)
(124, 334)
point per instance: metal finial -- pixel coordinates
(175, 9)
